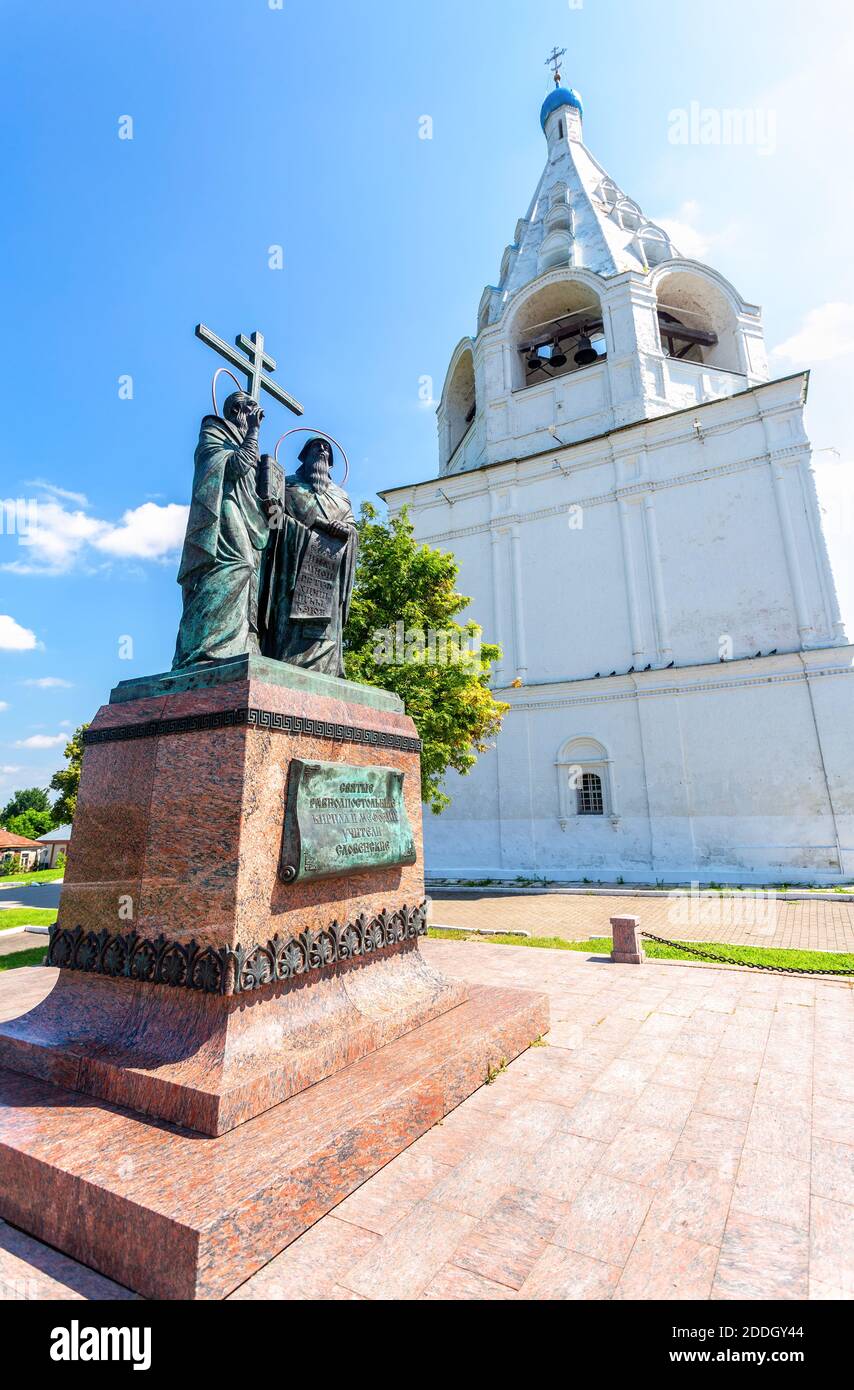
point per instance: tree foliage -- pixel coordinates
(31, 824)
(25, 799)
(401, 627)
(67, 780)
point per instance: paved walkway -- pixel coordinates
(744, 921)
(11, 942)
(686, 1133)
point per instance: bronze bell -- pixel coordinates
(558, 356)
(586, 352)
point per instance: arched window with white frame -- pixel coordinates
(585, 786)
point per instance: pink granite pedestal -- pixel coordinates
(223, 1055)
(210, 1063)
(177, 839)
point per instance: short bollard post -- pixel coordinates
(626, 941)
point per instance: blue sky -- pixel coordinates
(297, 126)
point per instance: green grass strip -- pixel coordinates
(34, 876)
(26, 917)
(601, 946)
(31, 957)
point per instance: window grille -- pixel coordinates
(590, 802)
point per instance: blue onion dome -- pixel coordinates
(561, 96)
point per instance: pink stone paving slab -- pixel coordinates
(692, 1200)
(598, 1115)
(640, 1154)
(604, 1219)
(405, 1261)
(664, 1107)
(564, 1274)
(832, 1170)
(774, 1129)
(831, 1249)
(833, 1119)
(380, 1202)
(664, 1266)
(506, 1244)
(712, 1140)
(472, 1185)
(452, 1282)
(560, 1166)
(774, 1187)
(761, 1259)
(528, 1243)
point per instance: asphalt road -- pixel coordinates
(30, 895)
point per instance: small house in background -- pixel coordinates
(32, 854)
(55, 843)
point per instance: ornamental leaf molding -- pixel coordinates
(231, 970)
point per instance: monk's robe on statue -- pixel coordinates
(309, 577)
(227, 531)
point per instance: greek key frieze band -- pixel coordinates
(227, 970)
(264, 719)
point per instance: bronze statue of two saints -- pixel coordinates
(268, 564)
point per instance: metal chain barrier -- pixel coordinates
(748, 964)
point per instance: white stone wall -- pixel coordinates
(675, 540)
(717, 774)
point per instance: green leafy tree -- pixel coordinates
(26, 799)
(402, 635)
(67, 780)
(10, 865)
(31, 824)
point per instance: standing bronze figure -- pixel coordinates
(265, 569)
(227, 530)
(310, 567)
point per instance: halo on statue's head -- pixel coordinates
(305, 429)
(219, 371)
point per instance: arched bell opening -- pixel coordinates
(461, 401)
(696, 321)
(558, 331)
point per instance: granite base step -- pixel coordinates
(174, 1214)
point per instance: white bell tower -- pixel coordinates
(632, 505)
(597, 312)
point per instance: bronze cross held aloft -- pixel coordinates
(252, 365)
(553, 62)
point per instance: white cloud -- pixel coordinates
(79, 497)
(147, 532)
(55, 539)
(60, 538)
(4, 704)
(14, 638)
(825, 332)
(42, 741)
(49, 683)
(690, 239)
(9, 769)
